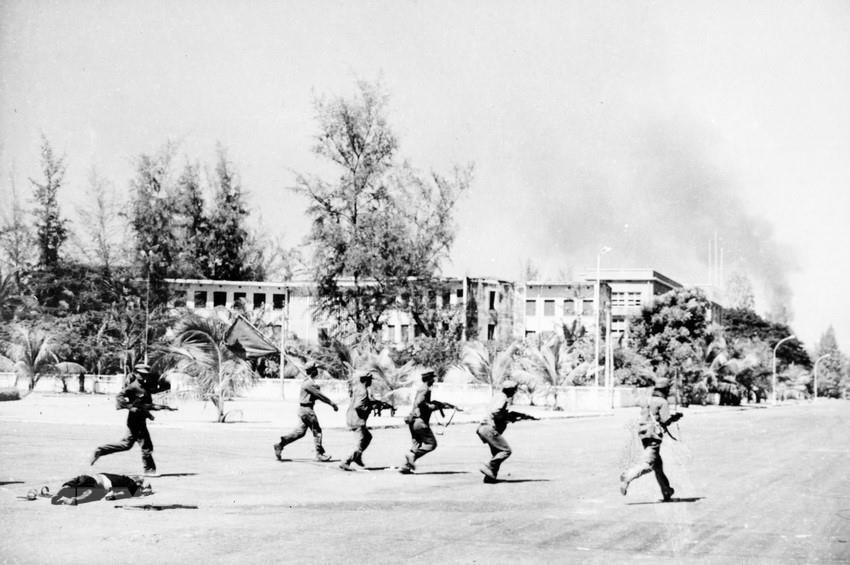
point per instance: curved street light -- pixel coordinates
(821, 358)
(775, 347)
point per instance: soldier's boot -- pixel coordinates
(357, 459)
(408, 466)
(323, 457)
(488, 473)
(278, 449)
(624, 484)
(668, 494)
(346, 465)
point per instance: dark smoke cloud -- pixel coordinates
(658, 204)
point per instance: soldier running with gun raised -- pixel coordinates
(418, 421)
(136, 398)
(310, 393)
(654, 418)
(490, 430)
(358, 412)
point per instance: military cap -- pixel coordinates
(142, 369)
(508, 383)
(311, 369)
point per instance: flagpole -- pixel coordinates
(283, 331)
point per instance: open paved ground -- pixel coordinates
(768, 485)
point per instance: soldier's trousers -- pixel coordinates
(650, 460)
(137, 432)
(499, 447)
(423, 440)
(308, 421)
(364, 438)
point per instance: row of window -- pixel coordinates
(625, 299)
(569, 307)
(219, 298)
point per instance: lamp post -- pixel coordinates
(775, 347)
(147, 300)
(602, 251)
(821, 358)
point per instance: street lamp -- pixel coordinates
(603, 251)
(775, 347)
(821, 358)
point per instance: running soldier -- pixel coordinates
(654, 418)
(418, 421)
(490, 430)
(136, 398)
(362, 404)
(310, 393)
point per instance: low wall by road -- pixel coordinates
(571, 398)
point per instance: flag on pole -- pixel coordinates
(242, 336)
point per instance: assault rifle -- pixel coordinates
(674, 418)
(441, 406)
(379, 406)
(519, 416)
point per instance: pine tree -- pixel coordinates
(50, 227)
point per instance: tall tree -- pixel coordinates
(101, 223)
(672, 332)
(231, 246)
(151, 217)
(50, 226)
(192, 228)
(832, 370)
(16, 241)
(379, 224)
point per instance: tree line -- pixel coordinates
(96, 295)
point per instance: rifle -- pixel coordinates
(379, 406)
(519, 416)
(441, 406)
(674, 418)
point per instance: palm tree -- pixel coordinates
(392, 378)
(543, 363)
(198, 350)
(489, 365)
(33, 355)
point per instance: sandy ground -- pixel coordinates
(767, 485)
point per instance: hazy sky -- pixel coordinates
(643, 126)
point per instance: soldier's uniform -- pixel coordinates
(419, 424)
(310, 393)
(654, 418)
(136, 398)
(491, 428)
(356, 417)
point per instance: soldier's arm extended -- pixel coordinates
(317, 394)
(519, 416)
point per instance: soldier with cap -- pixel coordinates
(136, 398)
(309, 394)
(654, 418)
(362, 404)
(491, 428)
(418, 421)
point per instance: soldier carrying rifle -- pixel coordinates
(362, 404)
(490, 430)
(310, 393)
(418, 421)
(136, 399)
(654, 418)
